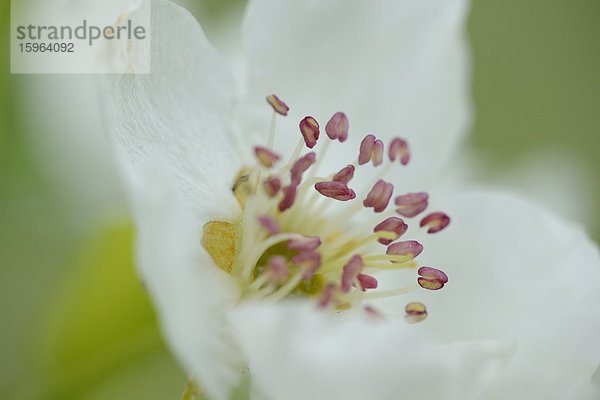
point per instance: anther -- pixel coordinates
(371, 149)
(309, 127)
(345, 174)
(366, 282)
(278, 268)
(269, 223)
(408, 248)
(436, 221)
(399, 148)
(272, 185)
(379, 196)
(289, 196)
(308, 262)
(265, 156)
(328, 295)
(335, 190)
(411, 204)
(391, 224)
(377, 154)
(301, 166)
(366, 148)
(304, 244)
(431, 278)
(415, 312)
(278, 106)
(337, 127)
(350, 272)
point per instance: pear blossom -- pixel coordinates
(340, 266)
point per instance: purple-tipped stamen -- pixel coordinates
(407, 248)
(304, 244)
(392, 224)
(436, 221)
(399, 149)
(265, 156)
(278, 105)
(350, 272)
(335, 190)
(379, 196)
(345, 174)
(431, 278)
(309, 127)
(337, 127)
(411, 204)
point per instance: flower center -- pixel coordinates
(288, 241)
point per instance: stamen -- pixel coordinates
(436, 221)
(337, 127)
(289, 195)
(408, 248)
(431, 278)
(278, 268)
(366, 148)
(307, 251)
(301, 166)
(367, 282)
(371, 149)
(411, 204)
(335, 190)
(379, 196)
(328, 295)
(399, 148)
(278, 106)
(377, 154)
(345, 174)
(308, 262)
(304, 244)
(391, 224)
(265, 156)
(269, 223)
(272, 185)
(309, 127)
(351, 271)
(415, 312)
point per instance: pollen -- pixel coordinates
(220, 241)
(305, 232)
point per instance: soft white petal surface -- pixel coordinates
(171, 132)
(396, 67)
(190, 293)
(518, 274)
(180, 111)
(297, 352)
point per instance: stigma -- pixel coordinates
(305, 232)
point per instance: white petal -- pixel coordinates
(517, 273)
(180, 111)
(190, 293)
(298, 352)
(396, 67)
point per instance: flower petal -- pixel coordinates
(518, 274)
(298, 352)
(180, 111)
(395, 67)
(190, 293)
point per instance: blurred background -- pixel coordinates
(75, 323)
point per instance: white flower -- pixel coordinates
(517, 319)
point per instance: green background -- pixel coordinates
(75, 323)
